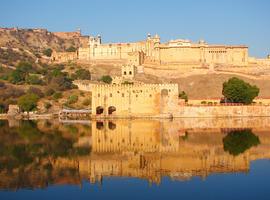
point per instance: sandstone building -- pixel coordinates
(152, 51)
(134, 100)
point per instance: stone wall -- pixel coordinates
(134, 100)
(64, 56)
(223, 111)
(152, 51)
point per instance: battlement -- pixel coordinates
(138, 85)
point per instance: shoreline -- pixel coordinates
(183, 112)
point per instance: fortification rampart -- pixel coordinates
(223, 111)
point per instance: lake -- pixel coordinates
(189, 158)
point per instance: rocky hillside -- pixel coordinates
(34, 40)
(29, 44)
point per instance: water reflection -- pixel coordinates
(38, 154)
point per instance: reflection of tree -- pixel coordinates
(237, 142)
(27, 144)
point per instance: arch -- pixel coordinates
(111, 109)
(164, 92)
(99, 125)
(99, 110)
(111, 125)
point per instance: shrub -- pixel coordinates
(106, 79)
(61, 83)
(71, 49)
(81, 74)
(36, 91)
(49, 92)
(72, 99)
(57, 95)
(183, 95)
(24, 67)
(47, 52)
(33, 80)
(16, 77)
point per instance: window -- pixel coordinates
(110, 94)
(98, 95)
(130, 72)
(123, 95)
(125, 73)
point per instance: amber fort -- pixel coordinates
(152, 51)
(128, 97)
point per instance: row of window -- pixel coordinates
(130, 73)
(123, 95)
(217, 51)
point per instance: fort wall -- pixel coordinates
(223, 111)
(128, 100)
(68, 35)
(152, 51)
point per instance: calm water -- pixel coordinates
(136, 159)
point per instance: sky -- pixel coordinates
(216, 21)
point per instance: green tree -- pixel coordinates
(28, 102)
(237, 142)
(19, 75)
(183, 95)
(106, 79)
(47, 52)
(238, 91)
(16, 77)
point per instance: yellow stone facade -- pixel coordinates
(173, 52)
(152, 51)
(134, 100)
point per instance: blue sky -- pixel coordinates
(216, 21)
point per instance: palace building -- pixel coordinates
(152, 51)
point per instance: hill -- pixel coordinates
(28, 44)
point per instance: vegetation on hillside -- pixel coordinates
(71, 49)
(47, 52)
(28, 102)
(46, 82)
(81, 74)
(26, 145)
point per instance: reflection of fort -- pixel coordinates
(147, 150)
(153, 149)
